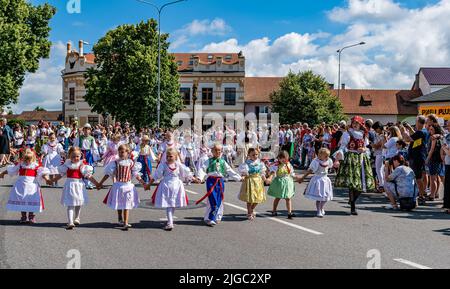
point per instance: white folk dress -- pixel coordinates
(74, 191)
(26, 195)
(320, 187)
(170, 192)
(123, 195)
(52, 160)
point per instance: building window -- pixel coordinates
(185, 93)
(207, 96)
(262, 109)
(93, 120)
(72, 95)
(230, 96)
(366, 100)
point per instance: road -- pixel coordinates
(419, 239)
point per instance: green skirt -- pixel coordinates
(282, 188)
(355, 173)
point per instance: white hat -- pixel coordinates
(87, 126)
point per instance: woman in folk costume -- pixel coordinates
(88, 146)
(168, 143)
(74, 194)
(170, 193)
(123, 195)
(31, 135)
(214, 171)
(355, 172)
(190, 152)
(52, 153)
(252, 189)
(25, 195)
(146, 157)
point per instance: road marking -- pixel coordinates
(267, 217)
(412, 264)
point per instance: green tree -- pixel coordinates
(305, 97)
(39, 108)
(125, 82)
(12, 122)
(24, 31)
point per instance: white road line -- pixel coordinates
(267, 217)
(412, 264)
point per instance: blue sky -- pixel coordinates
(275, 36)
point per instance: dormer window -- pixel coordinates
(228, 57)
(210, 57)
(366, 100)
(180, 63)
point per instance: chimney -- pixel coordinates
(331, 86)
(80, 44)
(343, 86)
(69, 47)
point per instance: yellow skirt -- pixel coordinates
(252, 190)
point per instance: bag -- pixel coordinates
(408, 203)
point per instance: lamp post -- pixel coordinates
(159, 9)
(339, 69)
(194, 99)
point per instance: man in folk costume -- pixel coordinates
(355, 171)
(89, 149)
(214, 170)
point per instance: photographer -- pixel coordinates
(401, 183)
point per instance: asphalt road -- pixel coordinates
(419, 239)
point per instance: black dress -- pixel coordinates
(4, 143)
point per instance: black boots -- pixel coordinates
(353, 197)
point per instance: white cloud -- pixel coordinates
(44, 88)
(368, 10)
(215, 27)
(397, 45)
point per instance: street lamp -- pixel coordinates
(339, 73)
(159, 9)
(194, 99)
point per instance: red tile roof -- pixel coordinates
(258, 89)
(31, 116)
(382, 102)
(185, 58)
(90, 58)
(437, 75)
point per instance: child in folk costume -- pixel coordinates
(252, 189)
(320, 188)
(203, 156)
(146, 157)
(282, 186)
(112, 151)
(214, 170)
(88, 146)
(355, 172)
(170, 193)
(74, 194)
(123, 195)
(52, 153)
(26, 196)
(228, 152)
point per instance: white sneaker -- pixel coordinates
(390, 207)
(323, 212)
(211, 223)
(319, 215)
(77, 222)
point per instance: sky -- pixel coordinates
(275, 36)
